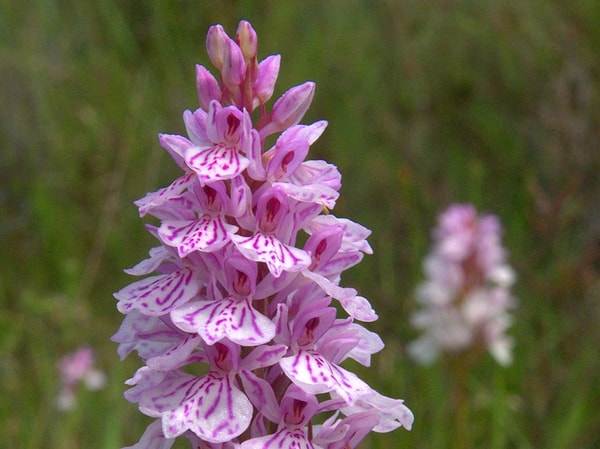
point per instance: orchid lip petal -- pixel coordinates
(268, 249)
(157, 295)
(314, 374)
(229, 318)
(211, 406)
(216, 163)
(206, 234)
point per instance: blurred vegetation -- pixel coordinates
(429, 102)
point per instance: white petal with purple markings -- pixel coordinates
(158, 295)
(234, 319)
(211, 406)
(207, 234)
(215, 163)
(268, 249)
(314, 374)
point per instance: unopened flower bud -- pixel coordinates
(216, 45)
(247, 40)
(289, 109)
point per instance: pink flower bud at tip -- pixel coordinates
(289, 109)
(216, 45)
(247, 40)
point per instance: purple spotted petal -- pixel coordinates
(207, 234)
(314, 374)
(311, 193)
(235, 319)
(211, 406)
(216, 163)
(340, 262)
(268, 249)
(285, 438)
(155, 199)
(158, 295)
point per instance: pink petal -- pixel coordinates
(207, 234)
(268, 249)
(340, 262)
(175, 145)
(215, 163)
(240, 205)
(268, 70)
(354, 236)
(207, 87)
(195, 125)
(161, 196)
(234, 319)
(310, 133)
(314, 374)
(158, 295)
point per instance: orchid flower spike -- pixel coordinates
(229, 291)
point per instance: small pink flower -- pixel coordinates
(466, 296)
(75, 369)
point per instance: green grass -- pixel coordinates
(495, 103)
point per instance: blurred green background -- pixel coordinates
(429, 102)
